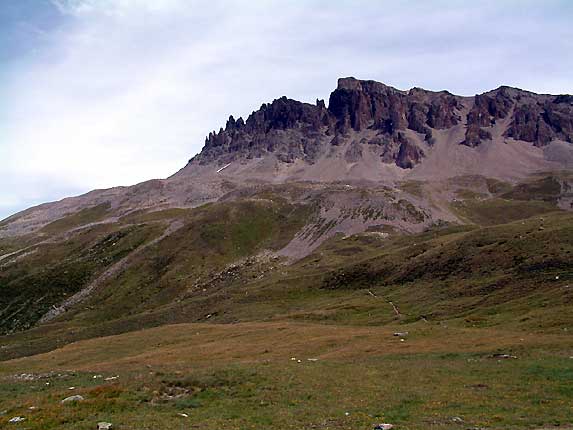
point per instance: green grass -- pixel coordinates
(547, 189)
(499, 211)
(264, 388)
(496, 187)
(80, 218)
(54, 271)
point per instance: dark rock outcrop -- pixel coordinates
(289, 128)
(292, 130)
(486, 111)
(534, 118)
(527, 124)
(475, 135)
(368, 104)
(543, 121)
(354, 152)
(408, 154)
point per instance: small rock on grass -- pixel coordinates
(384, 426)
(16, 419)
(503, 356)
(104, 426)
(72, 399)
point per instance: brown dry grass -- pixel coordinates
(209, 344)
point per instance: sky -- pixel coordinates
(100, 93)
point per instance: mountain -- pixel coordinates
(370, 132)
(375, 132)
(418, 238)
(377, 159)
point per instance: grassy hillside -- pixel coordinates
(46, 274)
(198, 316)
(206, 240)
(215, 267)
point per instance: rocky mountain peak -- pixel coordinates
(401, 124)
(353, 84)
(535, 118)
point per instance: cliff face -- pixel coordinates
(534, 118)
(401, 124)
(542, 121)
(367, 104)
(286, 127)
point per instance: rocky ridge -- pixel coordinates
(403, 123)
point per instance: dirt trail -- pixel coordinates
(114, 270)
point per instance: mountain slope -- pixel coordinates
(225, 262)
(296, 185)
(369, 132)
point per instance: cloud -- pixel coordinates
(120, 91)
(113, 7)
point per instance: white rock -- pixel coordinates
(76, 398)
(104, 426)
(16, 420)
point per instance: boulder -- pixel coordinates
(408, 154)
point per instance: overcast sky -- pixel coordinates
(98, 93)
